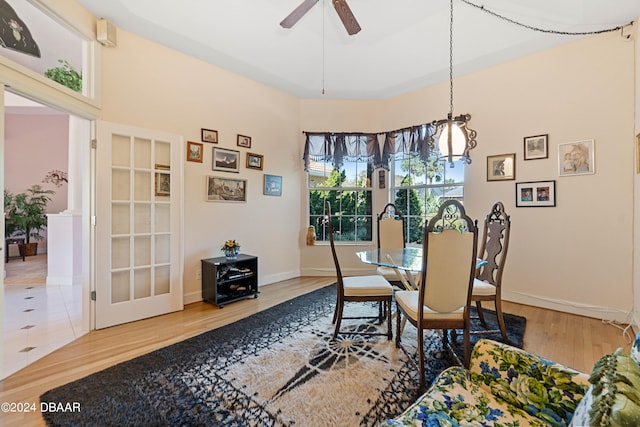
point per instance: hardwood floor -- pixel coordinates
(569, 339)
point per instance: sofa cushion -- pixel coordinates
(455, 400)
(542, 388)
(614, 397)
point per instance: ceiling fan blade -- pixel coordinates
(345, 14)
(297, 13)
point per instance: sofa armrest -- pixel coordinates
(542, 388)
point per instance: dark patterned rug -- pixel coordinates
(278, 367)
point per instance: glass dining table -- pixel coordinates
(405, 261)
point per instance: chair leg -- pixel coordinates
(481, 313)
(467, 346)
(503, 328)
(387, 304)
(398, 331)
(423, 380)
(338, 316)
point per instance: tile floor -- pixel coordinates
(38, 319)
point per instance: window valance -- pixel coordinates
(338, 147)
(412, 140)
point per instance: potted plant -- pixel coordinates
(9, 208)
(66, 75)
(28, 215)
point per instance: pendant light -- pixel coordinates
(455, 139)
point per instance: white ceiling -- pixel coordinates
(403, 45)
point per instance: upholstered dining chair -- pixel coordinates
(391, 235)
(373, 288)
(443, 300)
(487, 285)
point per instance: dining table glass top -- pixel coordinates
(401, 258)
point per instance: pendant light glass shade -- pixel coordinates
(455, 148)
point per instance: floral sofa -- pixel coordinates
(507, 386)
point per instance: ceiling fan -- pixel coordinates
(341, 6)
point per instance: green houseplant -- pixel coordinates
(27, 214)
(66, 75)
(9, 207)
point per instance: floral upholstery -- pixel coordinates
(504, 386)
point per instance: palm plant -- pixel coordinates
(28, 212)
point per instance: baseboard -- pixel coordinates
(597, 312)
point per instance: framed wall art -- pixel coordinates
(535, 194)
(272, 185)
(255, 161)
(576, 158)
(163, 184)
(194, 151)
(220, 189)
(536, 147)
(209, 135)
(501, 167)
(226, 160)
(244, 141)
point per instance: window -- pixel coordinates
(339, 169)
(418, 188)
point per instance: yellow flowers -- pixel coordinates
(230, 244)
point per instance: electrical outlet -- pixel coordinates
(199, 275)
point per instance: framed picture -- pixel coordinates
(209, 135)
(536, 194)
(221, 189)
(536, 147)
(381, 179)
(254, 161)
(194, 151)
(576, 158)
(244, 141)
(163, 184)
(501, 167)
(226, 160)
(272, 185)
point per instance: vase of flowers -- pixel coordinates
(231, 248)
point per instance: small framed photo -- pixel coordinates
(209, 135)
(255, 161)
(501, 167)
(221, 189)
(272, 185)
(381, 179)
(163, 184)
(244, 141)
(194, 151)
(576, 158)
(536, 194)
(226, 160)
(536, 147)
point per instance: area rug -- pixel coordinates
(279, 367)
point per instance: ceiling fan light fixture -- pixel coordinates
(342, 8)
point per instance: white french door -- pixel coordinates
(138, 224)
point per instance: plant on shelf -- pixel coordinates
(27, 213)
(9, 207)
(231, 248)
(66, 75)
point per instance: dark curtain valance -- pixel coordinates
(338, 147)
(412, 140)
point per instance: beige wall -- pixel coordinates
(636, 231)
(578, 256)
(150, 86)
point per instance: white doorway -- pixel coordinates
(39, 318)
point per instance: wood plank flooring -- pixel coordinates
(569, 339)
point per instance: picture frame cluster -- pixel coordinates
(230, 189)
(574, 158)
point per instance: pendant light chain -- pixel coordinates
(323, 45)
(451, 61)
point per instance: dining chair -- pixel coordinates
(487, 285)
(391, 235)
(443, 298)
(374, 288)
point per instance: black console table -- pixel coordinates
(226, 280)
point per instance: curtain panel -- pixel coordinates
(338, 147)
(416, 140)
